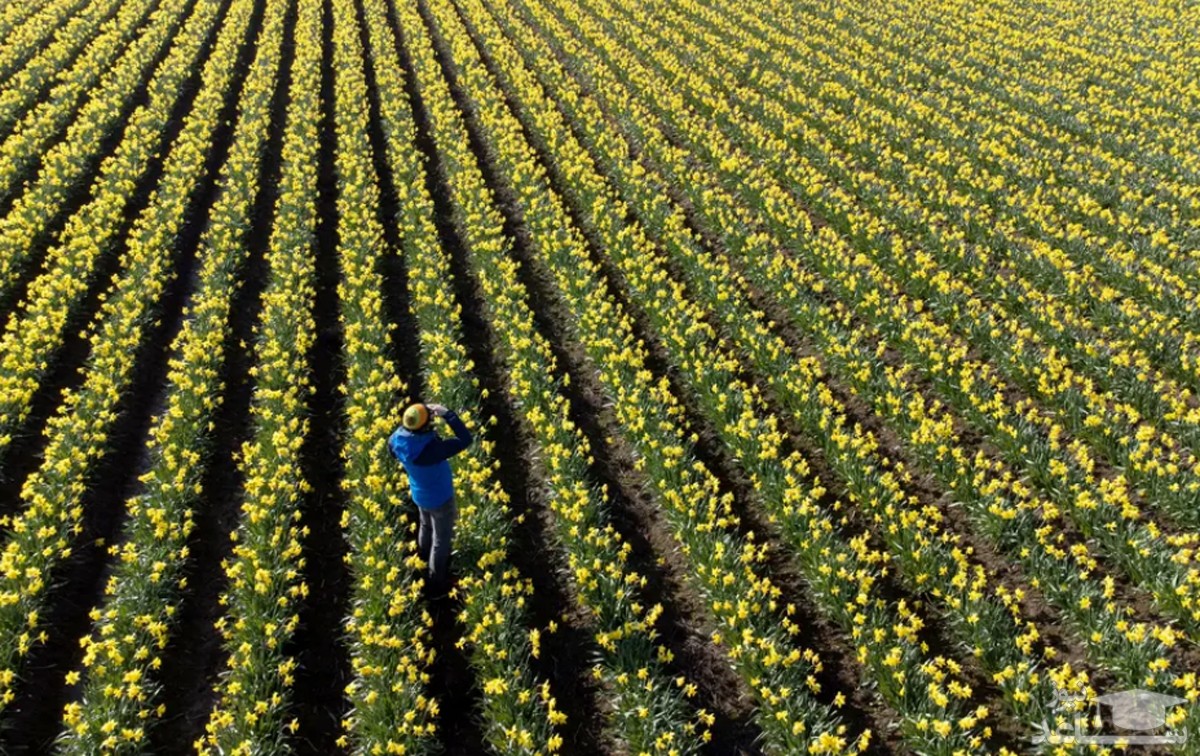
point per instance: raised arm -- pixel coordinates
(444, 448)
(462, 435)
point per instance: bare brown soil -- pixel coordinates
(323, 662)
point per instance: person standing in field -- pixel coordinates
(426, 456)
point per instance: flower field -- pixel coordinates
(834, 370)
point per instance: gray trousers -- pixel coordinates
(435, 536)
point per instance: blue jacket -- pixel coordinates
(425, 456)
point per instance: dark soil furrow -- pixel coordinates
(403, 334)
(453, 682)
(194, 655)
(323, 669)
(34, 719)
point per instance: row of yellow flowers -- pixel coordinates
(520, 712)
(53, 60)
(704, 196)
(89, 107)
(265, 585)
(43, 533)
(1103, 508)
(1062, 362)
(647, 706)
(744, 601)
(388, 627)
(28, 36)
(119, 700)
(35, 329)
